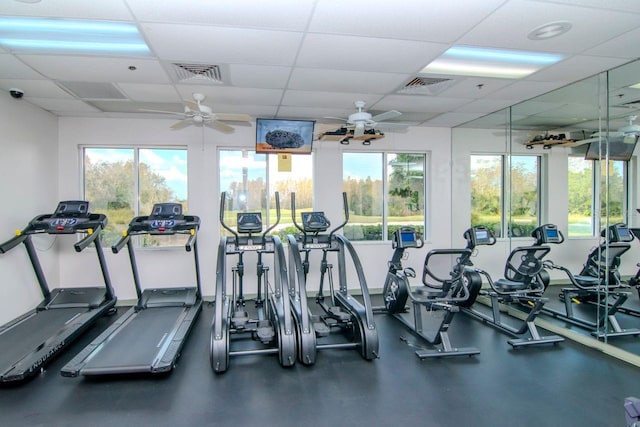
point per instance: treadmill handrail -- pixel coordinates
(117, 246)
(92, 235)
(13, 242)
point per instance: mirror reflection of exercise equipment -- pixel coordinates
(445, 284)
(30, 341)
(149, 337)
(267, 327)
(339, 312)
(598, 283)
(522, 286)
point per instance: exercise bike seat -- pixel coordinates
(587, 281)
(506, 285)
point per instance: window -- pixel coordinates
(494, 198)
(385, 191)
(612, 198)
(248, 178)
(580, 185)
(123, 183)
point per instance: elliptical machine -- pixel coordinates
(446, 284)
(270, 325)
(523, 284)
(597, 283)
(339, 311)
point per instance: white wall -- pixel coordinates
(28, 185)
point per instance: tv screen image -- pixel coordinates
(284, 136)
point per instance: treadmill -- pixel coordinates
(30, 341)
(147, 339)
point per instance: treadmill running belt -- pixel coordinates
(136, 346)
(30, 335)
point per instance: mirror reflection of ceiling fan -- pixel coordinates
(362, 121)
(627, 134)
(197, 113)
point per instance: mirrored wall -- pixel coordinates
(566, 158)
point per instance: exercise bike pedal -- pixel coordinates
(337, 313)
(265, 331)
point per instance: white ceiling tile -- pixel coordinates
(94, 69)
(36, 88)
(316, 113)
(620, 5)
(366, 54)
(232, 95)
(252, 110)
(451, 119)
(222, 45)
(103, 10)
(12, 68)
(521, 90)
(484, 106)
(149, 92)
(517, 18)
(264, 76)
(326, 99)
(417, 103)
(575, 68)
(623, 46)
(67, 105)
(401, 19)
(282, 14)
(345, 81)
(473, 87)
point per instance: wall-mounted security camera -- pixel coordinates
(16, 93)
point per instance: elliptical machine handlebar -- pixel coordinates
(223, 199)
(345, 206)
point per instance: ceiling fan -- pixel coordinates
(197, 113)
(361, 120)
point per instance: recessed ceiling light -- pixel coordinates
(71, 36)
(550, 30)
(481, 62)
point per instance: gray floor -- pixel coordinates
(563, 385)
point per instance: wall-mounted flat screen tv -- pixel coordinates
(284, 136)
(619, 149)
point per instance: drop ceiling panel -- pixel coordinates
(94, 69)
(36, 88)
(452, 119)
(420, 104)
(66, 105)
(484, 106)
(620, 5)
(401, 19)
(149, 92)
(252, 110)
(366, 54)
(473, 87)
(232, 95)
(345, 81)
(318, 113)
(518, 18)
(282, 14)
(104, 10)
(222, 45)
(521, 90)
(259, 76)
(326, 99)
(576, 68)
(12, 68)
(623, 46)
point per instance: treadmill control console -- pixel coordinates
(70, 217)
(165, 218)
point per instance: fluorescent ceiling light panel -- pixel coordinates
(481, 62)
(29, 35)
(635, 86)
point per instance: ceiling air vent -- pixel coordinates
(197, 73)
(426, 85)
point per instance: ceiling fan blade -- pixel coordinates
(159, 111)
(181, 124)
(192, 105)
(392, 114)
(233, 117)
(222, 127)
